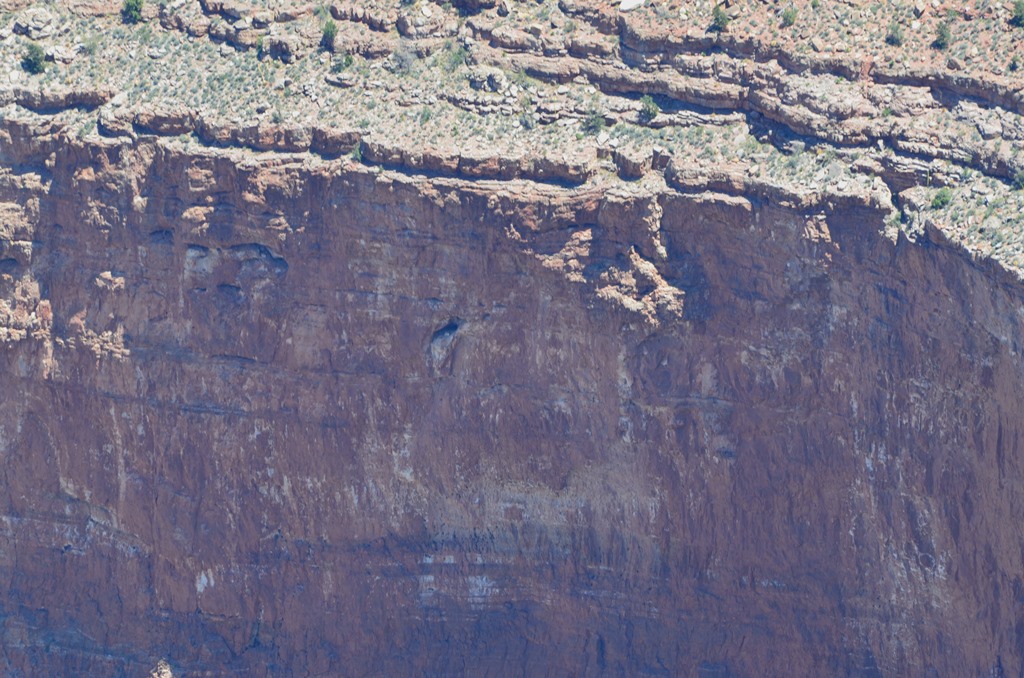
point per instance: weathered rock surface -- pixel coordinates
(284, 395)
(286, 415)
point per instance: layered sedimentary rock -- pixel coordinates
(282, 415)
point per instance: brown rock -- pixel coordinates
(294, 13)
(481, 164)
(413, 23)
(166, 121)
(439, 161)
(198, 27)
(586, 45)
(115, 122)
(342, 80)
(631, 163)
(220, 30)
(287, 48)
(512, 38)
(274, 137)
(51, 99)
(246, 39)
(214, 131)
(270, 411)
(381, 153)
(377, 18)
(352, 331)
(329, 141)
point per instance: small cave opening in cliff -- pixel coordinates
(442, 343)
(447, 332)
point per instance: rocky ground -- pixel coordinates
(511, 338)
(819, 101)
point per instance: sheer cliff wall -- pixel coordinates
(276, 414)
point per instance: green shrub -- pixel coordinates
(942, 198)
(454, 57)
(593, 123)
(649, 109)
(91, 45)
(339, 65)
(719, 19)
(131, 11)
(1018, 14)
(403, 59)
(34, 59)
(943, 36)
(328, 36)
(1018, 181)
(788, 16)
(895, 35)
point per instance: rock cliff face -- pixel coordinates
(274, 414)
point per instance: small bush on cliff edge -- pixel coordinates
(719, 19)
(942, 198)
(943, 36)
(339, 64)
(328, 36)
(789, 16)
(895, 35)
(34, 59)
(649, 109)
(593, 123)
(131, 11)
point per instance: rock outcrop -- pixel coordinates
(287, 396)
(282, 415)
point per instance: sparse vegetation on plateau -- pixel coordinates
(446, 93)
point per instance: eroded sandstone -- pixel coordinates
(289, 396)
